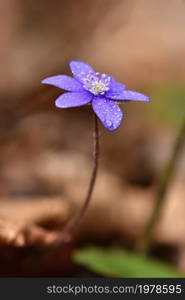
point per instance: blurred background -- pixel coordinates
(45, 153)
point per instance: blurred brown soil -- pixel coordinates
(43, 182)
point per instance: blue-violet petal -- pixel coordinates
(108, 112)
(73, 99)
(64, 82)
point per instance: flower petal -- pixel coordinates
(130, 95)
(116, 88)
(108, 111)
(80, 69)
(64, 82)
(73, 99)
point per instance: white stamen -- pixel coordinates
(96, 83)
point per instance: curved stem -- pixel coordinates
(72, 224)
(146, 239)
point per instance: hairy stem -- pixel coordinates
(146, 240)
(71, 226)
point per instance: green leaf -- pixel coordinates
(122, 263)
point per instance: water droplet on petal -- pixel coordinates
(108, 123)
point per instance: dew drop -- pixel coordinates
(108, 123)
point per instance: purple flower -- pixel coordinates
(101, 90)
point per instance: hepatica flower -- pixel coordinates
(102, 91)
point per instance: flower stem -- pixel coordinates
(146, 240)
(71, 226)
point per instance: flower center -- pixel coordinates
(97, 83)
